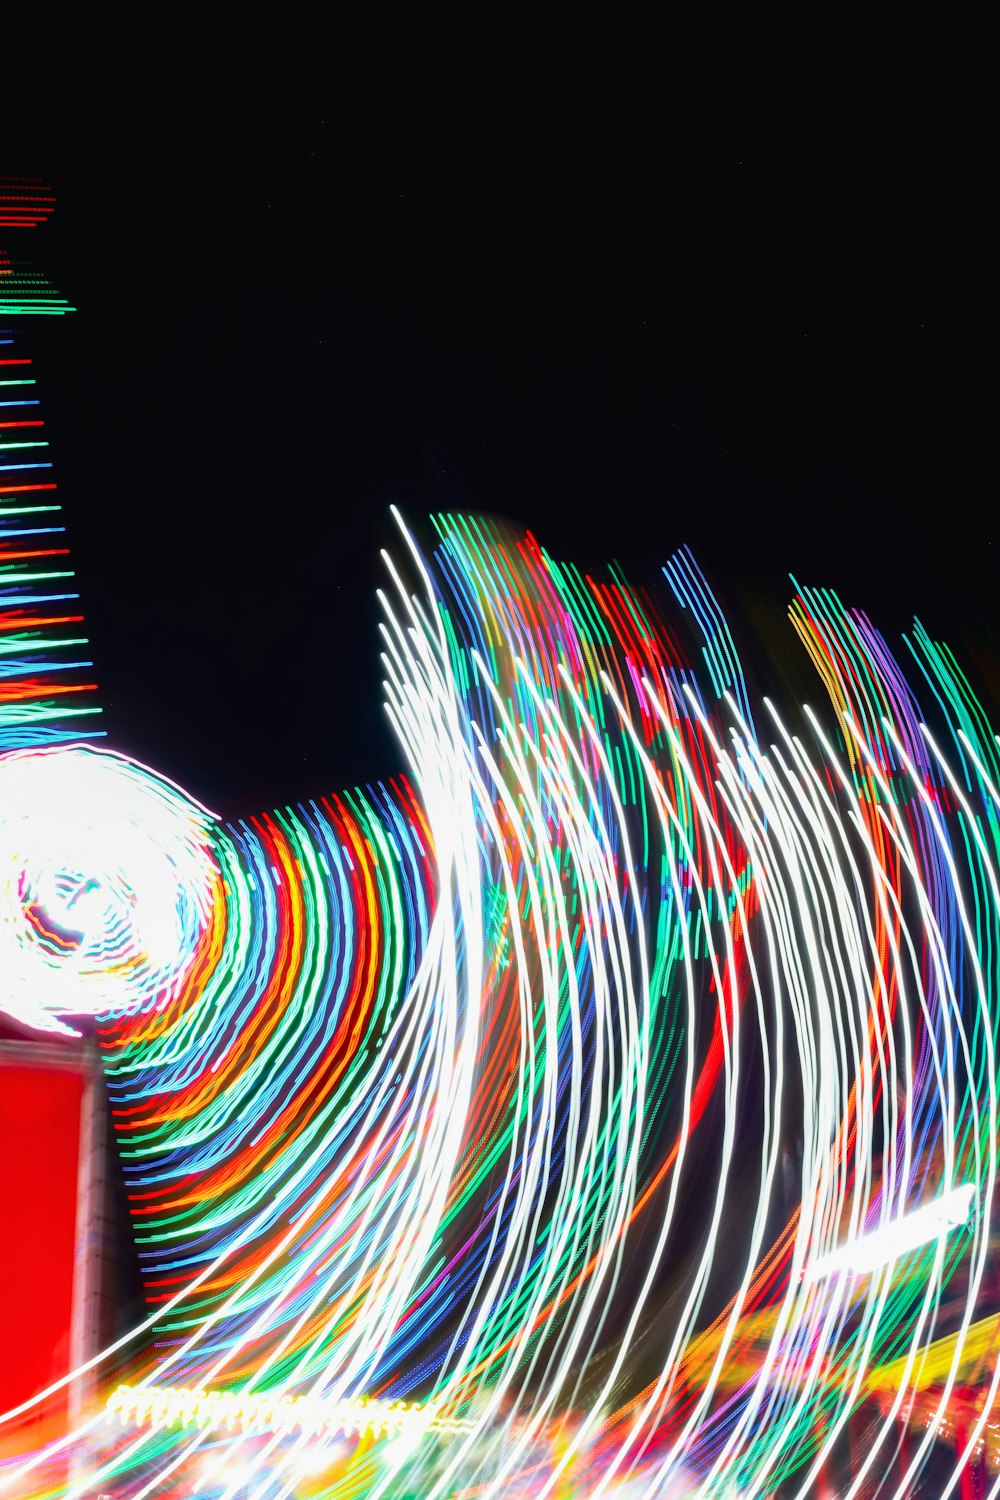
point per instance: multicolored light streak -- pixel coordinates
(46, 695)
(608, 1101)
(441, 1097)
(25, 203)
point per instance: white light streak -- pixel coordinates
(897, 1237)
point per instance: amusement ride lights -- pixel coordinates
(432, 1093)
(107, 882)
(360, 996)
(25, 203)
(899, 1236)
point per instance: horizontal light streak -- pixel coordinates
(285, 1416)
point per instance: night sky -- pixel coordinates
(742, 302)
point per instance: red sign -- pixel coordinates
(43, 1153)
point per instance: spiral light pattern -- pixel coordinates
(618, 1091)
(107, 882)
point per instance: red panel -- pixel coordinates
(40, 1110)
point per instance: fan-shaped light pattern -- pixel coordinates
(563, 1090)
(46, 693)
(253, 1111)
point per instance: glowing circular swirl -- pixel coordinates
(106, 881)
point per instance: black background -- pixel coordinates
(629, 288)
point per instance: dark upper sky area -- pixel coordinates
(744, 304)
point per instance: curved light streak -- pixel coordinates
(545, 1088)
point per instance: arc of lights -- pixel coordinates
(416, 1087)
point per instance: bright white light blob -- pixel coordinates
(316, 1461)
(219, 1469)
(403, 1446)
(106, 881)
(899, 1236)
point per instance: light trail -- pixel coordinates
(898, 1237)
(547, 1089)
(156, 1407)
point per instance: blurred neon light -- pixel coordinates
(447, 1080)
(284, 1415)
(106, 883)
(897, 1238)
